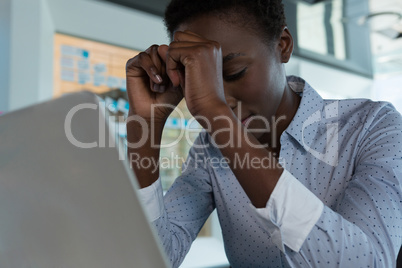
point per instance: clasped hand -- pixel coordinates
(190, 67)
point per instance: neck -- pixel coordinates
(284, 115)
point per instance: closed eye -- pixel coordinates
(234, 77)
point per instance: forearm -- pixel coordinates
(143, 142)
(169, 213)
(175, 237)
(246, 157)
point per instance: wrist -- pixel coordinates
(210, 118)
(143, 133)
(143, 149)
(150, 120)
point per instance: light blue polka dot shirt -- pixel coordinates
(338, 203)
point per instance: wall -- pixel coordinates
(389, 89)
(28, 60)
(5, 28)
(330, 82)
(26, 45)
(106, 22)
(335, 83)
(26, 40)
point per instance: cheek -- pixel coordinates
(268, 86)
(254, 88)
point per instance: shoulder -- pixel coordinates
(202, 139)
(204, 144)
(376, 126)
(366, 112)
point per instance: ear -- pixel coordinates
(286, 45)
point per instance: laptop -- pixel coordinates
(66, 197)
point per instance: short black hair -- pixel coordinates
(265, 17)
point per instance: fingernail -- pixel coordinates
(159, 78)
(156, 87)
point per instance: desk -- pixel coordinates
(206, 252)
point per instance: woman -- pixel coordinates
(297, 180)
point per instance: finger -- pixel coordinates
(178, 44)
(176, 60)
(193, 33)
(173, 68)
(188, 36)
(140, 63)
(162, 51)
(152, 51)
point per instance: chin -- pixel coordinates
(259, 136)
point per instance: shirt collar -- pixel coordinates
(307, 118)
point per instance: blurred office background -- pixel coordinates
(343, 48)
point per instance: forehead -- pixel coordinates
(233, 37)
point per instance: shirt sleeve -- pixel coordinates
(179, 215)
(291, 212)
(152, 199)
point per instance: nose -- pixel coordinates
(231, 101)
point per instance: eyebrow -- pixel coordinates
(231, 56)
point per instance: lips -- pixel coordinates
(246, 119)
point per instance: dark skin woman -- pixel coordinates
(260, 85)
(226, 59)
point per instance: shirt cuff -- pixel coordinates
(152, 199)
(291, 213)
